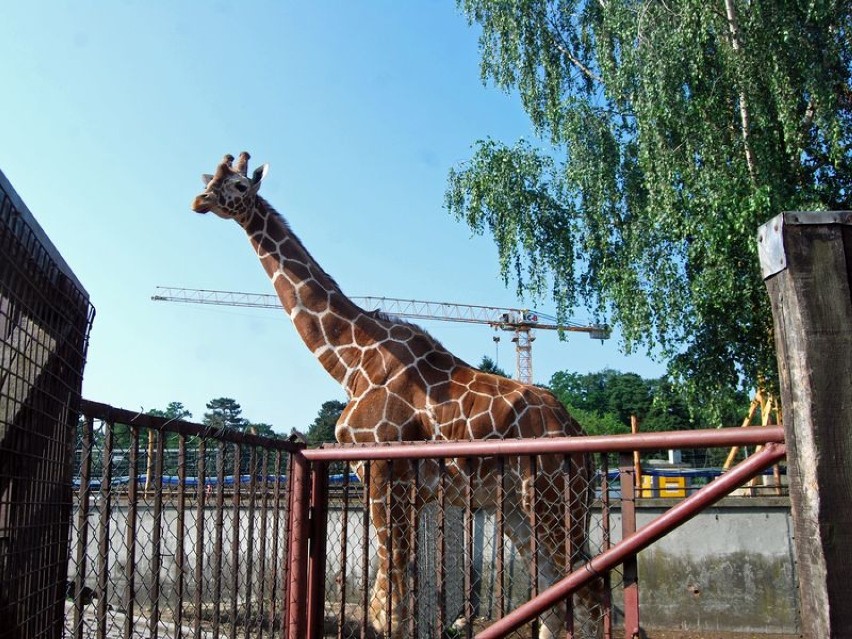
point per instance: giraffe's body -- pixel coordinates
(404, 386)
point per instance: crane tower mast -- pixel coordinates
(521, 322)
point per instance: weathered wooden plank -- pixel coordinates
(807, 262)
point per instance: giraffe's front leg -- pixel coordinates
(388, 611)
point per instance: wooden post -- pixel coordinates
(806, 260)
(637, 463)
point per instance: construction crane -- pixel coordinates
(521, 322)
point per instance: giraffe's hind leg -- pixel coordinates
(551, 622)
(557, 514)
(590, 610)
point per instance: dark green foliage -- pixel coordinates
(225, 413)
(667, 133)
(322, 429)
(175, 410)
(488, 365)
(604, 401)
(261, 429)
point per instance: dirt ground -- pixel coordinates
(685, 634)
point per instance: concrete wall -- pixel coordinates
(729, 569)
(216, 568)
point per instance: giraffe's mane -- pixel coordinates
(376, 314)
(271, 210)
(397, 321)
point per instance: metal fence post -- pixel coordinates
(317, 548)
(626, 472)
(297, 572)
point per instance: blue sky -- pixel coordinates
(111, 112)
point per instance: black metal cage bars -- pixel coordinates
(45, 317)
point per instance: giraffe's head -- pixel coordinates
(229, 192)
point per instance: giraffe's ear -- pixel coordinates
(206, 178)
(259, 173)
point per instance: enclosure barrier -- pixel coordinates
(446, 583)
(806, 260)
(45, 317)
(179, 530)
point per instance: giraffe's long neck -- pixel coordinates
(332, 326)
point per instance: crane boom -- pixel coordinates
(520, 321)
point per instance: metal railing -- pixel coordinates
(457, 565)
(189, 544)
(206, 533)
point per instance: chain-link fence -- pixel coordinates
(45, 318)
(469, 540)
(177, 530)
(510, 538)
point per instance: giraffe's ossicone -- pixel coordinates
(403, 385)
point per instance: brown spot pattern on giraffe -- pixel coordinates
(402, 384)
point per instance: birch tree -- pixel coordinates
(665, 133)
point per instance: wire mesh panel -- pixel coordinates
(178, 530)
(45, 318)
(516, 538)
(468, 541)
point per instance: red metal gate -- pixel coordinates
(342, 605)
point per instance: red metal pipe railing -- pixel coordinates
(295, 614)
(605, 545)
(627, 473)
(720, 437)
(501, 448)
(467, 558)
(186, 490)
(316, 550)
(112, 415)
(644, 537)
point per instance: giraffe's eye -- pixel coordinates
(242, 188)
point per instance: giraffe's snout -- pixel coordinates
(201, 203)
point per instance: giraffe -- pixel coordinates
(403, 385)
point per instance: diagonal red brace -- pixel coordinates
(644, 537)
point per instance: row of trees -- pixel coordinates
(222, 413)
(602, 402)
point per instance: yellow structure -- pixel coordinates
(656, 486)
